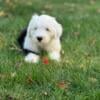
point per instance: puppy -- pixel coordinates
(42, 33)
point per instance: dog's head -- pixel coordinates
(42, 29)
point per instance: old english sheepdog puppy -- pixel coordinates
(42, 33)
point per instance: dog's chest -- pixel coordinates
(47, 47)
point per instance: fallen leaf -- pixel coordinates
(29, 80)
(92, 41)
(45, 60)
(63, 84)
(76, 33)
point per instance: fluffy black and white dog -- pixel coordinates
(43, 32)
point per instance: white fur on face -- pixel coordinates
(45, 27)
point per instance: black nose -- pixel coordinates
(39, 39)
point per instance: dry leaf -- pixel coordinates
(29, 80)
(76, 33)
(92, 41)
(63, 84)
(45, 60)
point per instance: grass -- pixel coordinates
(77, 77)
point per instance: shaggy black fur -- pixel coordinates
(21, 39)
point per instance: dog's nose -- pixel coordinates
(39, 39)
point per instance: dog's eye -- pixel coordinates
(47, 29)
(35, 28)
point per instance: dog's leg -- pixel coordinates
(32, 58)
(32, 50)
(54, 50)
(54, 55)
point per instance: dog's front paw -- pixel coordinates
(55, 56)
(32, 58)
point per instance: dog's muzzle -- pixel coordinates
(39, 39)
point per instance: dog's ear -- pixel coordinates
(32, 22)
(35, 17)
(58, 28)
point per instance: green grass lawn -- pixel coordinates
(77, 77)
